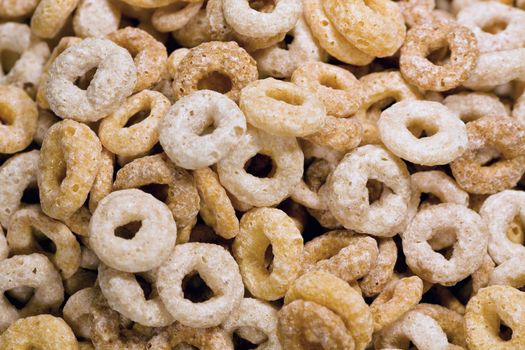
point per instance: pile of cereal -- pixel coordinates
(262, 174)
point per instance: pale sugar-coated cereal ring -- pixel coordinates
(182, 127)
(50, 16)
(103, 184)
(216, 207)
(336, 87)
(219, 66)
(470, 106)
(46, 119)
(180, 337)
(376, 28)
(381, 273)
(148, 54)
(448, 135)
(451, 322)
(507, 136)
(138, 138)
(152, 243)
(487, 310)
(19, 119)
(335, 294)
(282, 108)
(220, 29)
(259, 229)
(397, 298)
(288, 160)
(417, 69)
(10, 9)
(415, 11)
(174, 16)
(457, 5)
(44, 332)
(329, 38)
(509, 273)
(34, 271)
(69, 160)
(77, 310)
(125, 296)
(96, 18)
(219, 271)
(16, 174)
(22, 240)
(348, 194)
(468, 250)
(305, 324)
(182, 197)
(341, 253)
(113, 81)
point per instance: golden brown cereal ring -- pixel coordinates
(125, 296)
(22, 240)
(15, 9)
(216, 267)
(46, 119)
(103, 184)
(335, 294)
(220, 66)
(282, 108)
(288, 160)
(19, 119)
(138, 138)
(507, 136)
(381, 273)
(50, 16)
(337, 88)
(259, 229)
(180, 337)
(96, 18)
(397, 298)
(447, 140)
(468, 251)
(43, 332)
(69, 160)
(216, 207)
(149, 55)
(195, 32)
(376, 28)
(474, 105)
(329, 38)
(182, 129)
(182, 197)
(487, 310)
(34, 271)
(450, 321)
(77, 310)
(175, 16)
(112, 83)
(341, 253)
(420, 71)
(304, 324)
(16, 174)
(348, 195)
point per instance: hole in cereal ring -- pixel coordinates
(381, 105)
(285, 96)
(260, 166)
(505, 333)
(129, 230)
(288, 39)
(241, 343)
(31, 195)
(43, 242)
(426, 199)
(215, 81)
(84, 80)
(159, 191)
(61, 172)
(195, 288)
(146, 286)
(496, 26)
(8, 59)
(422, 128)
(488, 156)
(262, 5)
(137, 117)
(375, 189)
(515, 231)
(330, 81)
(20, 296)
(447, 250)
(268, 258)
(439, 56)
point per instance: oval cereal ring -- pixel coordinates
(152, 243)
(69, 160)
(182, 127)
(138, 138)
(22, 240)
(447, 138)
(336, 295)
(451, 322)
(216, 267)
(348, 195)
(470, 106)
(16, 175)
(112, 83)
(288, 160)
(507, 136)
(34, 271)
(175, 16)
(381, 273)
(77, 310)
(96, 18)
(44, 332)
(468, 251)
(221, 66)
(417, 69)
(50, 16)
(259, 229)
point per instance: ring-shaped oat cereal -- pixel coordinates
(448, 135)
(175, 16)
(509, 273)
(219, 271)
(50, 16)
(381, 273)
(468, 250)
(76, 312)
(152, 243)
(182, 128)
(259, 229)
(470, 106)
(113, 81)
(451, 322)
(96, 18)
(348, 194)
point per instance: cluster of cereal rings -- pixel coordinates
(287, 174)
